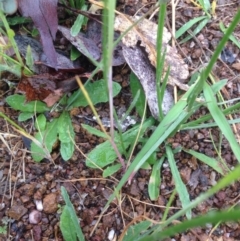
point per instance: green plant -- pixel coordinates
(7, 63)
(200, 21)
(69, 223)
(171, 123)
(3, 229)
(49, 131)
(4, 224)
(104, 155)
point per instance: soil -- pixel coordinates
(25, 184)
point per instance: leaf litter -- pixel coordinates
(44, 15)
(89, 43)
(142, 57)
(145, 31)
(134, 54)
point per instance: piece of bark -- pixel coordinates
(145, 32)
(138, 61)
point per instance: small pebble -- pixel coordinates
(39, 205)
(111, 235)
(35, 217)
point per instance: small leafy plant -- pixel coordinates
(49, 131)
(69, 223)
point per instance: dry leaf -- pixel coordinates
(44, 15)
(36, 87)
(90, 42)
(53, 97)
(146, 33)
(84, 45)
(139, 63)
(39, 57)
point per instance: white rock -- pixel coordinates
(111, 235)
(39, 205)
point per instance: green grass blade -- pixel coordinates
(155, 180)
(187, 26)
(180, 186)
(10, 35)
(206, 6)
(212, 162)
(205, 73)
(220, 119)
(209, 125)
(136, 87)
(161, 80)
(108, 38)
(193, 124)
(169, 203)
(222, 183)
(75, 29)
(232, 38)
(212, 217)
(197, 30)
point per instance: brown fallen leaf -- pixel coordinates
(53, 97)
(47, 87)
(145, 32)
(44, 15)
(36, 87)
(43, 87)
(84, 45)
(90, 42)
(41, 60)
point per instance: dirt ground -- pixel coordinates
(24, 183)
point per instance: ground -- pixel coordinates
(25, 182)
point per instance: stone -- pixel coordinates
(17, 211)
(50, 204)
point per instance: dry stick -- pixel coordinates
(174, 4)
(23, 133)
(93, 16)
(15, 183)
(151, 204)
(139, 218)
(83, 154)
(120, 201)
(88, 179)
(145, 5)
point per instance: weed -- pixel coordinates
(69, 223)
(61, 128)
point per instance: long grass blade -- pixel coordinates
(225, 181)
(213, 163)
(187, 26)
(221, 121)
(180, 186)
(205, 73)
